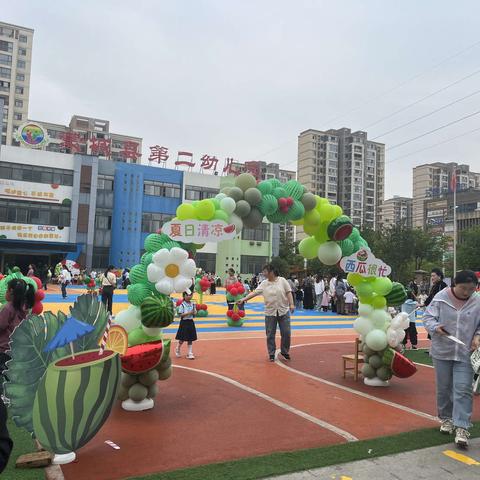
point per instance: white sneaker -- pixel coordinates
(177, 352)
(461, 437)
(447, 426)
(191, 356)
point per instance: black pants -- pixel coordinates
(411, 334)
(107, 297)
(64, 290)
(213, 288)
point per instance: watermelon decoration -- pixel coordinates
(340, 228)
(397, 295)
(400, 365)
(294, 189)
(74, 398)
(157, 312)
(141, 358)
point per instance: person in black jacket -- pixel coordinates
(437, 284)
(6, 443)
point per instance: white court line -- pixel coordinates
(262, 337)
(346, 435)
(351, 390)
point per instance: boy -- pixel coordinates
(349, 298)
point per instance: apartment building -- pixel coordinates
(396, 211)
(15, 65)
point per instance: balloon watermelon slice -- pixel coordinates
(340, 228)
(400, 365)
(142, 358)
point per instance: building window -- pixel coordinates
(19, 103)
(22, 38)
(152, 222)
(161, 189)
(105, 182)
(19, 90)
(103, 220)
(259, 234)
(17, 116)
(251, 264)
(22, 52)
(16, 211)
(30, 173)
(193, 192)
(20, 77)
(5, 59)
(21, 64)
(4, 86)
(6, 46)
(5, 72)
(206, 261)
(100, 258)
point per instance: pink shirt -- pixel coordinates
(458, 303)
(9, 320)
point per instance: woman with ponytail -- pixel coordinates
(20, 298)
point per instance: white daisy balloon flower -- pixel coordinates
(171, 270)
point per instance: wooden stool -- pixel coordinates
(357, 360)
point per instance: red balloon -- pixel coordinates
(235, 317)
(37, 281)
(229, 313)
(241, 313)
(39, 295)
(234, 291)
(91, 284)
(284, 208)
(241, 290)
(37, 308)
(179, 302)
(282, 202)
(1, 276)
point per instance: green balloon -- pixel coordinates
(268, 205)
(384, 373)
(253, 196)
(347, 247)
(294, 189)
(225, 190)
(138, 274)
(375, 361)
(275, 182)
(308, 248)
(221, 215)
(216, 203)
(138, 293)
(265, 187)
(368, 371)
(245, 181)
(297, 211)
(364, 289)
(253, 219)
(155, 242)
(242, 209)
(355, 234)
(146, 258)
(277, 217)
(236, 193)
(382, 286)
(309, 201)
(280, 192)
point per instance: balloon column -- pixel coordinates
(235, 316)
(165, 268)
(201, 286)
(35, 282)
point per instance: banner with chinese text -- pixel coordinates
(44, 233)
(199, 231)
(366, 264)
(35, 192)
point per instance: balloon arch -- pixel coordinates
(168, 266)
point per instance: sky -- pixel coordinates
(243, 79)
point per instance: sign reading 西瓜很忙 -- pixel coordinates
(364, 263)
(36, 192)
(44, 233)
(199, 231)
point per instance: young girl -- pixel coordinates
(186, 330)
(325, 298)
(20, 296)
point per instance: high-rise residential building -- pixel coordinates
(91, 136)
(15, 65)
(346, 168)
(396, 211)
(431, 181)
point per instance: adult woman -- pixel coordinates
(454, 311)
(279, 302)
(109, 282)
(319, 289)
(65, 278)
(308, 293)
(20, 296)
(31, 270)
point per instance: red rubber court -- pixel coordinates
(230, 403)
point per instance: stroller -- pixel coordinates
(475, 359)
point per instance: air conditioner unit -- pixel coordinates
(252, 243)
(259, 243)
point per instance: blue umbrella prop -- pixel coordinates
(70, 332)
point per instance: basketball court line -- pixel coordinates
(353, 391)
(338, 431)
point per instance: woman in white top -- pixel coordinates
(109, 282)
(319, 289)
(279, 302)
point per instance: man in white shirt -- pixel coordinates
(319, 289)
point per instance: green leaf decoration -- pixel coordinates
(89, 310)
(29, 362)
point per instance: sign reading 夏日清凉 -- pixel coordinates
(44, 233)
(35, 192)
(199, 231)
(366, 264)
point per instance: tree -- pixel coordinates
(468, 252)
(281, 265)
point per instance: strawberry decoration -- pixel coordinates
(235, 292)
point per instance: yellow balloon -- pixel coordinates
(312, 217)
(321, 234)
(297, 222)
(326, 212)
(310, 229)
(337, 209)
(320, 200)
(185, 211)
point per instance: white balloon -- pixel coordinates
(228, 205)
(365, 310)
(380, 318)
(392, 337)
(237, 221)
(376, 340)
(129, 319)
(329, 253)
(220, 196)
(362, 325)
(400, 335)
(406, 319)
(397, 322)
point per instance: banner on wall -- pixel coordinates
(45, 233)
(36, 192)
(199, 231)
(366, 264)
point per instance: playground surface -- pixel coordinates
(231, 403)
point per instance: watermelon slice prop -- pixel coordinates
(400, 365)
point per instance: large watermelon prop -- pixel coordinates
(340, 228)
(397, 295)
(74, 398)
(157, 312)
(400, 365)
(142, 358)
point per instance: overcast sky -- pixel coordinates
(242, 79)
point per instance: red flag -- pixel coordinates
(453, 182)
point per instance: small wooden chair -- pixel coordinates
(357, 360)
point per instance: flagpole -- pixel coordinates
(455, 226)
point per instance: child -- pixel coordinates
(299, 299)
(326, 299)
(20, 296)
(349, 298)
(186, 330)
(409, 307)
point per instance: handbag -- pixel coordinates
(475, 359)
